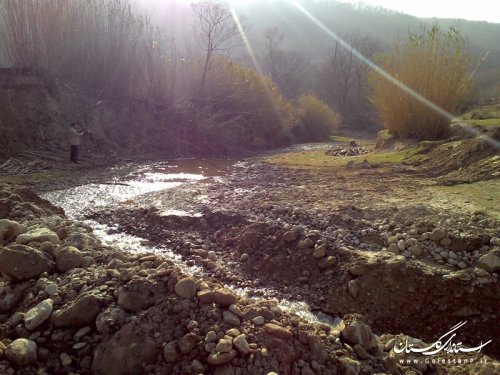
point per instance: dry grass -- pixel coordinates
(97, 45)
(433, 64)
(317, 120)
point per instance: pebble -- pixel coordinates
(224, 346)
(210, 336)
(224, 297)
(236, 310)
(278, 331)
(197, 367)
(241, 344)
(401, 245)
(231, 318)
(185, 288)
(82, 332)
(218, 359)
(22, 352)
(258, 320)
(65, 360)
(38, 314)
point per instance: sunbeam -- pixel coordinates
(251, 53)
(493, 142)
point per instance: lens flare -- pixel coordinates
(493, 142)
(257, 66)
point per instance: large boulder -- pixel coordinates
(22, 352)
(125, 353)
(67, 258)
(38, 235)
(9, 230)
(81, 312)
(21, 262)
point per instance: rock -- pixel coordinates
(437, 234)
(11, 294)
(244, 257)
(197, 367)
(353, 288)
(218, 359)
(415, 250)
(109, 319)
(319, 252)
(170, 353)
(81, 312)
(79, 240)
(187, 343)
(186, 288)
(38, 235)
(358, 332)
(392, 240)
(21, 262)
(401, 245)
(125, 353)
(139, 294)
(495, 241)
(224, 346)
(306, 244)
(205, 296)
(211, 336)
(224, 297)
(361, 352)
(350, 366)
(291, 235)
(445, 242)
(22, 352)
(231, 318)
(51, 289)
(38, 314)
(327, 262)
(65, 360)
(258, 320)
(236, 310)
(491, 261)
(241, 344)
(278, 331)
(67, 258)
(393, 248)
(9, 230)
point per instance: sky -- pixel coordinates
(477, 10)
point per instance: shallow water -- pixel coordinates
(128, 183)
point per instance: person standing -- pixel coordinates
(74, 140)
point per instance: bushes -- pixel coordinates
(436, 66)
(317, 120)
(249, 108)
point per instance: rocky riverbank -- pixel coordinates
(70, 304)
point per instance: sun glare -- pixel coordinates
(401, 85)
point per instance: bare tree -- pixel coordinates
(343, 78)
(218, 32)
(286, 68)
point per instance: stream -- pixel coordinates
(134, 181)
